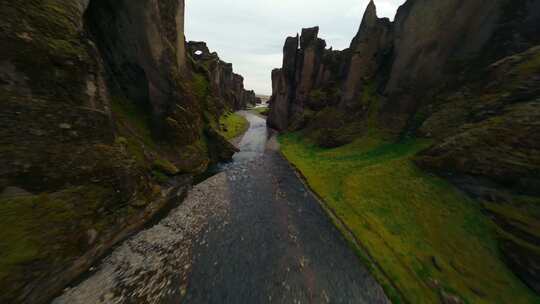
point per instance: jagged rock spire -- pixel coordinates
(370, 15)
(368, 21)
(308, 36)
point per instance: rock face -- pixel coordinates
(104, 117)
(370, 49)
(227, 86)
(464, 73)
(307, 80)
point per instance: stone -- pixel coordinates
(139, 203)
(92, 235)
(12, 192)
(448, 298)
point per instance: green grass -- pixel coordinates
(233, 125)
(262, 111)
(417, 227)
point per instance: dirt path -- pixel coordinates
(251, 234)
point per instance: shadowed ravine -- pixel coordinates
(250, 234)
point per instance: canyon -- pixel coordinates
(463, 75)
(405, 168)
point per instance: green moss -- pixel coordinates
(262, 111)
(194, 158)
(46, 34)
(522, 213)
(137, 140)
(530, 66)
(200, 86)
(318, 99)
(233, 125)
(165, 166)
(317, 95)
(370, 100)
(160, 176)
(406, 220)
(135, 120)
(49, 229)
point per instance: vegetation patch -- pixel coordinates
(30, 226)
(233, 125)
(200, 86)
(134, 119)
(264, 111)
(427, 237)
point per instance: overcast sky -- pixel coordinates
(250, 33)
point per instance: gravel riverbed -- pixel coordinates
(250, 234)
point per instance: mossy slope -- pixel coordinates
(428, 238)
(233, 125)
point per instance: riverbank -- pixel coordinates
(250, 234)
(233, 125)
(427, 237)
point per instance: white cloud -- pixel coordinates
(250, 33)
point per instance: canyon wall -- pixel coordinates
(105, 118)
(227, 85)
(463, 73)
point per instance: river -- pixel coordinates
(250, 234)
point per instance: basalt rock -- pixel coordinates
(101, 118)
(228, 87)
(307, 81)
(370, 49)
(464, 73)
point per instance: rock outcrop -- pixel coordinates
(105, 117)
(464, 73)
(228, 86)
(308, 80)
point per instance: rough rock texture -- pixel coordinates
(487, 141)
(227, 86)
(371, 47)
(155, 265)
(464, 73)
(308, 79)
(103, 114)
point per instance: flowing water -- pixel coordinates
(250, 234)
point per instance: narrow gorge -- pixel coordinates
(139, 167)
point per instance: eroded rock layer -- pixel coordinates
(228, 87)
(104, 118)
(464, 73)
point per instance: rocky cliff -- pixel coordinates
(228, 87)
(463, 73)
(105, 117)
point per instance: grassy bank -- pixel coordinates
(233, 125)
(262, 111)
(428, 239)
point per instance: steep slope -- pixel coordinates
(105, 117)
(462, 73)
